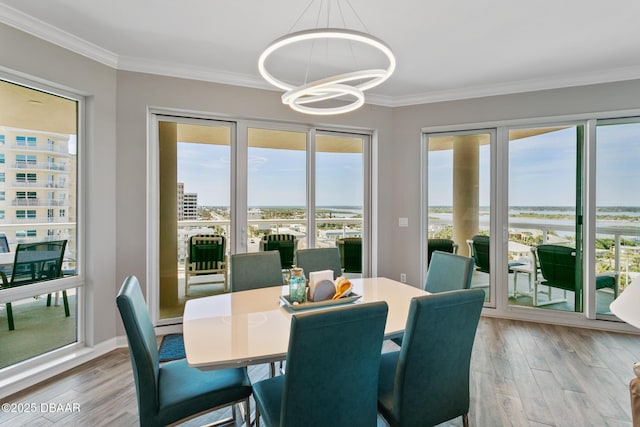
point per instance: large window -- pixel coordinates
(48, 321)
(563, 230)
(249, 183)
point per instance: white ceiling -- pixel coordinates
(445, 50)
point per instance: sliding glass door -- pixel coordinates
(340, 189)
(617, 251)
(194, 189)
(544, 254)
(459, 199)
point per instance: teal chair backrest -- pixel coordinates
(558, 265)
(481, 252)
(142, 346)
(37, 262)
(448, 272)
(4, 243)
(351, 254)
(206, 252)
(432, 375)
(442, 245)
(333, 366)
(255, 270)
(319, 259)
(283, 243)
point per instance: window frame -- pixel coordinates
(76, 281)
(588, 121)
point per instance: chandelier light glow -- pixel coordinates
(304, 97)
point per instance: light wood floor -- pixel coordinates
(523, 374)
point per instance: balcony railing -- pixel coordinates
(58, 149)
(566, 233)
(39, 184)
(61, 167)
(39, 202)
(348, 227)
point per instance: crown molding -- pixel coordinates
(48, 32)
(520, 86)
(169, 69)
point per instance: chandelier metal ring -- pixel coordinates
(298, 98)
(327, 88)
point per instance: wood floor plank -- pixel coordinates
(522, 374)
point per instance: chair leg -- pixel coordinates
(10, 316)
(65, 301)
(465, 420)
(48, 300)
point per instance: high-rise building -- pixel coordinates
(190, 206)
(37, 186)
(187, 204)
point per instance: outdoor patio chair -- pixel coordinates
(205, 256)
(4, 243)
(350, 254)
(442, 245)
(479, 246)
(33, 263)
(558, 269)
(283, 243)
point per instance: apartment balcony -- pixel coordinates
(40, 220)
(39, 184)
(44, 166)
(39, 202)
(40, 148)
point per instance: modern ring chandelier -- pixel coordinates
(347, 89)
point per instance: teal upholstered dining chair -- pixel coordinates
(33, 263)
(283, 243)
(172, 391)
(332, 370)
(318, 259)
(426, 382)
(255, 270)
(447, 272)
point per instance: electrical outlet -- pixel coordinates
(403, 277)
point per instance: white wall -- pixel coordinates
(24, 54)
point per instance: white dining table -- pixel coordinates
(252, 327)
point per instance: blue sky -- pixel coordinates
(537, 178)
(276, 177)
